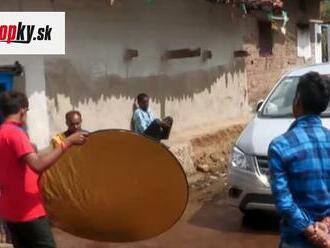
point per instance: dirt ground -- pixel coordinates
(209, 222)
(212, 151)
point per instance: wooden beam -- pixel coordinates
(16, 68)
(130, 54)
(206, 54)
(182, 53)
(241, 54)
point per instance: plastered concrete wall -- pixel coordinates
(94, 78)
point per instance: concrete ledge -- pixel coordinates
(184, 153)
(210, 150)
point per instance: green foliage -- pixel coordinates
(326, 7)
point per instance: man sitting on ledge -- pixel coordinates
(145, 123)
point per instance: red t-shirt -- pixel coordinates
(20, 197)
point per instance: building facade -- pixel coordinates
(201, 62)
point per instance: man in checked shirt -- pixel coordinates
(300, 168)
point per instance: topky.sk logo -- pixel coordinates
(21, 33)
(32, 33)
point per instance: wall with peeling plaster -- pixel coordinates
(94, 78)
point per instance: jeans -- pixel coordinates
(32, 234)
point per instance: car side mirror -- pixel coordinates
(259, 104)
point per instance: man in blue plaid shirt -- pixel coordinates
(300, 167)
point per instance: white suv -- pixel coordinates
(248, 170)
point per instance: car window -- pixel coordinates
(279, 104)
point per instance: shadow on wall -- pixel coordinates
(62, 77)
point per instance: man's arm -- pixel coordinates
(288, 209)
(41, 163)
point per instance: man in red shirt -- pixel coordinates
(21, 204)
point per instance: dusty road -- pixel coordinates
(208, 222)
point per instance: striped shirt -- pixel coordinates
(300, 176)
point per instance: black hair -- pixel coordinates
(141, 96)
(72, 113)
(314, 92)
(12, 102)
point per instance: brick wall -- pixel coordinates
(263, 72)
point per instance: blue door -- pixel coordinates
(6, 83)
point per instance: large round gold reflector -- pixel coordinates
(118, 187)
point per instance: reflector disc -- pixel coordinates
(118, 187)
